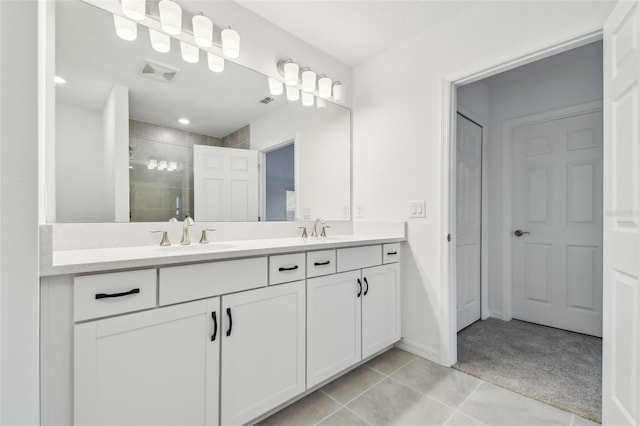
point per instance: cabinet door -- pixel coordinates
(333, 325)
(380, 308)
(263, 350)
(159, 367)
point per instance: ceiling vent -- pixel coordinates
(157, 71)
(266, 100)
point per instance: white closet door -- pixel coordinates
(557, 205)
(468, 220)
(225, 184)
(621, 344)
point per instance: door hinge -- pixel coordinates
(449, 238)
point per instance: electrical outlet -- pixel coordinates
(417, 208)
(360, 211)
(345, 212)
(306, 213)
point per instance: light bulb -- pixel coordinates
(275, 86)
(338, 92)
(162, 165)
(230, 43)
(293, 93)
(308, 81)
(134, 9)
(126, 29)
(291, 70)
(170, 17)
(189, 53)
(172, 166)
(184, 121)
(216, 63)
(307, 99)
(324, 87)
(202, 30)
(152, 164)
(160, 42)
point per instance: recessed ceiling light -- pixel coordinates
(184, 121)
(59, 80)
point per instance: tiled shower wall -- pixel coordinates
(159, 195)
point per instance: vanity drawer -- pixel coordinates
(191, 282)
(349, 259)
(391, 253)
(101, 295)
(321, 262)
(286, 268)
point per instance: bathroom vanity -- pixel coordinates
(224, 333)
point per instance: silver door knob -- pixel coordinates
(519, 233)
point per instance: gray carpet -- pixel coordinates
(558, 367)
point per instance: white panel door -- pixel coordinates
(557, 205)
(263, 350)
(468, 220)
(380, 308)
(159, 367)
(225, 184)
(333, 325)
(621, 356)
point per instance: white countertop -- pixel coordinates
(65, 262)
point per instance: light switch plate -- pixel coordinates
(417, 208)
(360, 211)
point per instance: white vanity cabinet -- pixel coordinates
(263, 350)
(159, 367)
(351, 315)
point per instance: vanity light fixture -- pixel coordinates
(291, 72)
(134, 9)
(324, 87)
(184, 121)
(230, 43)
(160, 42)
(202, 30)
(189, 52)
(162, 165)
(308, 80)
(125, 29)
(321, 103)
(275, 86)
(338, 92)
(152, 164)
(60, 81)
(307, 99)
(170, 17)
(216, 63)
(173, 165)
(293, 93)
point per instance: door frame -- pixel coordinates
(262, 172)
(449, 354)
(507, 132)
(484, 210)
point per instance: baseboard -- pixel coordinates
(496, 314)
(420, 350)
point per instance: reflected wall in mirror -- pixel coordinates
(124, 154)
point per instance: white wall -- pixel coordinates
(115, 116)
(398, 134)
(322, 153)
(568, 79)
(80, 165)
(19, 288)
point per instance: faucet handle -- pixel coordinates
(304, 231)
(324, 233)
(165, 239)
(203, 237)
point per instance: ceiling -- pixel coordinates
(354, 31)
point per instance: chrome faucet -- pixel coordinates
(185, 230)
(315, 226)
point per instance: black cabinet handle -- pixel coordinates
(359, 288)
(215, 326)
(392, 253)
(230, 322)
(367, 283)
(293, 268)
(126, 293)
(322, 263)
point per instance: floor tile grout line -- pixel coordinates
(366, 390)
(573, 416)
(423, 394)
(464, 402)
(330, 414)
(344, 405)
(357, 415)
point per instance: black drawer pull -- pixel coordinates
(392, 253)
(215, 326)
(293, 268)
(367, 283)
(359, 288)
(126, 293)
(322, 263)
(230, 322)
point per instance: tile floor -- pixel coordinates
(398, 388)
